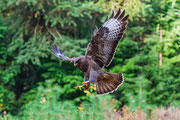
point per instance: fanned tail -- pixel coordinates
(109, 83)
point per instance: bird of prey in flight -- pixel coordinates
(99, 54)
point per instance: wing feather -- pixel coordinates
(104, 42)
(112, 15)
(122, 15)
(106, 19)
(117, 14)
(59, 54)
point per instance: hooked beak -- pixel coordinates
(75, 64)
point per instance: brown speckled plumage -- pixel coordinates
(99, 53)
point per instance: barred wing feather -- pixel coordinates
(104, 41)
(59, 54)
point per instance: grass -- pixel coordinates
(100, 108)
(170, 113)
(47, 106)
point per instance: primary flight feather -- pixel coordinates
(99, 53)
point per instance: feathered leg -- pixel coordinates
(92, 79)
(93, 76)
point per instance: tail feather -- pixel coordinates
(109, 83)
(104, 87)
(100, 88)
(107, 88)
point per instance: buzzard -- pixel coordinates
(99, 54)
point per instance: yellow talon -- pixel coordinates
(85, 83)
(78, 87)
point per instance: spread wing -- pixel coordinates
(59, 54)
(105, 40)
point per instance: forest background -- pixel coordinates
(34, 84)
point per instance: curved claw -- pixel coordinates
(78, 87)
(85, 83)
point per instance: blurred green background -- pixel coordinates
(34, 84)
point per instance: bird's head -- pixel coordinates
(82, 63)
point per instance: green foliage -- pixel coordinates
(47, 105)
(40, 22)
(27, 60)
(148, 77)
(7, 97)
(148, 56)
